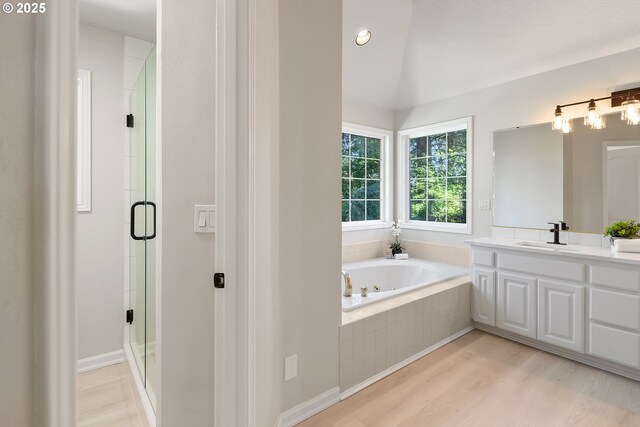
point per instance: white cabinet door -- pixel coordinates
(484, 302)
(561, 315)
(516, 304)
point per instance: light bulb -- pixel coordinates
(566, 126)
(363, 37)
(557, 119)
(631, 112)
(593, 118)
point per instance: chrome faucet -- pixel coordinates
(348, 284)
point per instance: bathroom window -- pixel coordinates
(366, 191)
(434, 176)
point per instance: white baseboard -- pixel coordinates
(100, 361)
(366, 383)
(309, 408)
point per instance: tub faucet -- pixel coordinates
(348, 284)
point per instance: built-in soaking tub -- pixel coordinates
(387, 278)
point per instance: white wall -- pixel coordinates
(18, 302)
(309, 206)
(99, 237)
(186, 76)
(522, 102)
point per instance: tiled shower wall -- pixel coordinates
(372, 345)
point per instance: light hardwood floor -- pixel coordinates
(108, 397)
(484, 380)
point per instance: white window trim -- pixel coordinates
(403, 175)
(386, 176)
(83, 142)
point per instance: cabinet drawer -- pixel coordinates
(543, 266)
(615, 278)
(614, 345)
(484, 258)
(615, 308)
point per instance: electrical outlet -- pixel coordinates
(290, 367)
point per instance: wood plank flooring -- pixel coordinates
(484, 380)
(108, 397)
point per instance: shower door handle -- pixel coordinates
(153, 236)
(133, 220)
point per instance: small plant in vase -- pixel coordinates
(622, 230)
(396, 245)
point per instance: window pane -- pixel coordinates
(345, 211)
(357, 189)
(357, 211)
(373, 169)
(418, 210)
(436, 189)
(437, 167)
(345, 144)
(417, 189)
(373, 210)
(418, 147)
(436, 211)
(457, 165)
(357, 146)
(457, 211)
(437, 145)
(418, 168)
(357, 168)
(345, 166)
(458, 142)
(373, 189)
(345, 188)
(373, 148)
(457, 188)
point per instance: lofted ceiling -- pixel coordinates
(424, 50)
(136, 18)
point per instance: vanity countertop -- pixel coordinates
(569, 251)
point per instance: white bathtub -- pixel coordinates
(394, 277)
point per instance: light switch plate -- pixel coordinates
(204, 219)
(290, 367)
(484, 204)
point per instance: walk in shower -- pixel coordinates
(143, 229)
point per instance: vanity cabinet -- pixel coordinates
(579, 302)
(561, 314)
(516, 304)
(484, 305)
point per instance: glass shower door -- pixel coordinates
(143, 226)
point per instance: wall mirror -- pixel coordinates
(588, 178)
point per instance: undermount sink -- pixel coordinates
(546, 246)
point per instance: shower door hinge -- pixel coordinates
(129, 120)
(218, 280)
(130, 316)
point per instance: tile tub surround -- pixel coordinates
(373, 345)
(448, 254)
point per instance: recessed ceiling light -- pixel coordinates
(363, 37)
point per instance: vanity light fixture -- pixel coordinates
(563, 125)
(363, 37)
(593, 119)
(631, 112)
